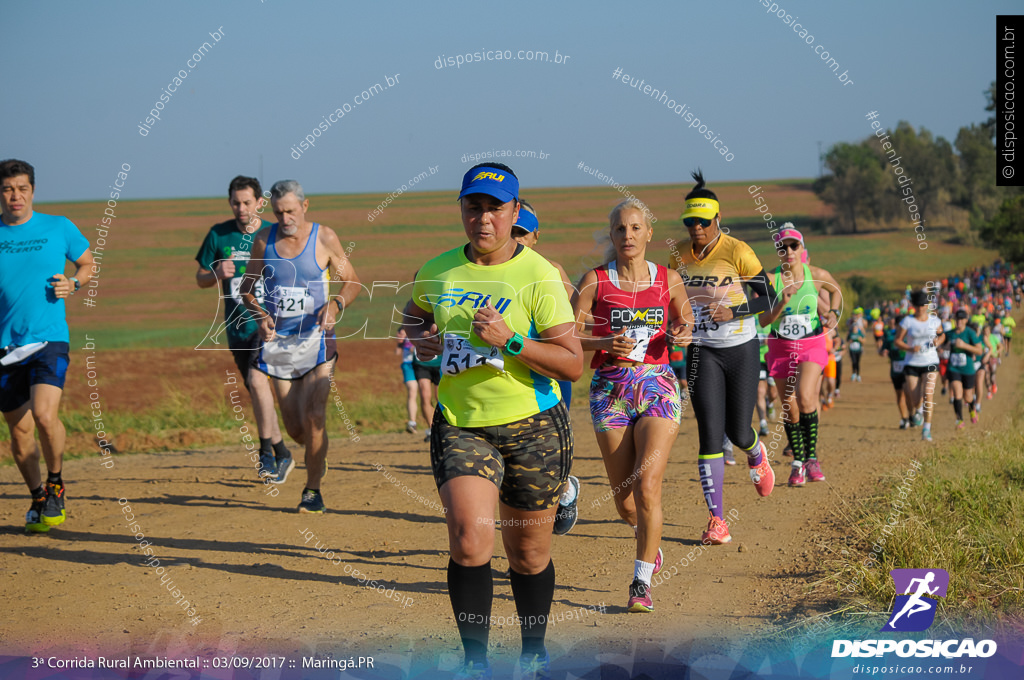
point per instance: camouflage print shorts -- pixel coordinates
(528, 460)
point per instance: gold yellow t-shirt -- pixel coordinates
(717, 279)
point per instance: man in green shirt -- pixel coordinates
(963, 344)
(223, 257)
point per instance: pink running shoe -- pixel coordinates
(796, 476)
(762, 475)
(813, 470)
(640, 597)
(657, 562)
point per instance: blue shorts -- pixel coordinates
(48, 366)
(407, 373)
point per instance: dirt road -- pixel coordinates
(249, 566)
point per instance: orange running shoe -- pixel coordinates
(762, 475)
(717, 533)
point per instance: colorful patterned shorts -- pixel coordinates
(619, 395)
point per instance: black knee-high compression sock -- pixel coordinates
(796, 439)
(471, 590)
(809, 424)
(958, 408)
(533, 595)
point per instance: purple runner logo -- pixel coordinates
(914, 609)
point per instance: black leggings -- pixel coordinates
(855, 359)
(723, 390)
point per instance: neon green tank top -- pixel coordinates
(800, 316)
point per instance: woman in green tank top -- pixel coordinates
(797, 352)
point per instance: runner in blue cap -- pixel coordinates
(498, 315)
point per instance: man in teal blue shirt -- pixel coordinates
(223, 257)
(34, 336)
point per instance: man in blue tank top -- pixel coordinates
(297, 261)
(223, 258)
(34, 336)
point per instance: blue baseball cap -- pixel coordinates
(527, 220)
(501, 184)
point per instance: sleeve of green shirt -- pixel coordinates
(207, 254)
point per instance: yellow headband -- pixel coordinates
(700, 207)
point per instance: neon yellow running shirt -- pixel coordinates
(529, 293)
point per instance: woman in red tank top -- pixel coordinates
(634, 396)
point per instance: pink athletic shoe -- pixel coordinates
(797, 476)
(813, 470)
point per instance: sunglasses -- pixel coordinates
(794, 246)
(691, 222)
(519, 232)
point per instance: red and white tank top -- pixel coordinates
(644, 314)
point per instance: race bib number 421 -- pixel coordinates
(293, 301)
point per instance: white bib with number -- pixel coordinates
(958, 360)
(796, 326)
(642, 335)
(897, 366)
(460, 355)
(293, 301)
(705, 328)
(236, 288)
(855, 346)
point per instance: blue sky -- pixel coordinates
(73, 108)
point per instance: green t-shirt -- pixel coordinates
(226, 242)
(1009, 324)
(529, 294)
(961, 361)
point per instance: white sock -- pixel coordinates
(634, 531)
(569, 495)
(643, 571)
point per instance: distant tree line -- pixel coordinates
(952, 184)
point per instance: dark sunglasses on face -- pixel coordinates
(794, 246)
(691, 222)
(519, 232)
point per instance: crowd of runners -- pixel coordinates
(492, 340)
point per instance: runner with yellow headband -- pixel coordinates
(725, 356)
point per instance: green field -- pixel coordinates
(147, 296)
